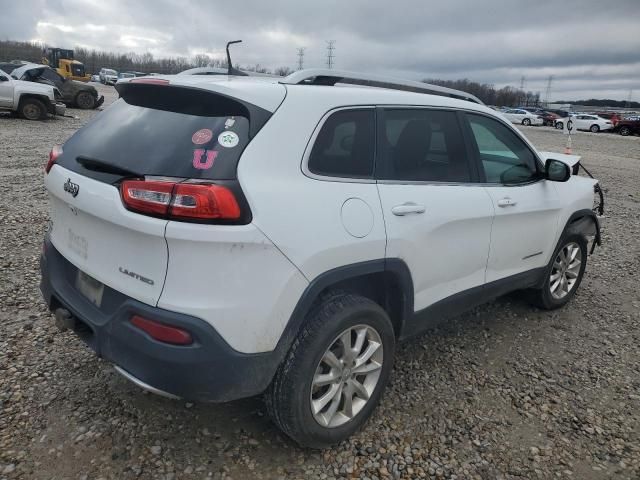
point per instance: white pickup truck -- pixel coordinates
(33, 101)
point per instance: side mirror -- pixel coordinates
(3, 78)
(556, 171)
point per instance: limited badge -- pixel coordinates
(228, 139)
(202, 136)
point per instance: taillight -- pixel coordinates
(204, 202)
(162, 332)
(180, 200)
(147, 197)
(55, 152)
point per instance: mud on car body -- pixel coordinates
(74, 93)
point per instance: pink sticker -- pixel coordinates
(202, 136)
(198, 155)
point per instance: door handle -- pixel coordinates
(506, 202)
(407, 209)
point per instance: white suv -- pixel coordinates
(217, 237)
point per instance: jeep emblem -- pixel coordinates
(72, 188)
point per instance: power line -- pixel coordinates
(301, 57)
(330, 56)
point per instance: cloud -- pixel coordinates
(589, 46)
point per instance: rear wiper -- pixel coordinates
(102, 166)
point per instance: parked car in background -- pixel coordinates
(95, 78)
(584, 121)
(613, 117)
(122, 75)
(74, 93)
(548, 118)
(522, 117)
(628, 126)
(108, 76)
(32, 101)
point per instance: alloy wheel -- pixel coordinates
(565, 270)
(346, 376)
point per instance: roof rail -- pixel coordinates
(322, 76)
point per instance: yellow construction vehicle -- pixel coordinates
(62, 60)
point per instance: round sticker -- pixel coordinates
(228, 139)
(202, 136)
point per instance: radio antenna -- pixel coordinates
(230, 69)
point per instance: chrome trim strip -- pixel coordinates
(143, 385)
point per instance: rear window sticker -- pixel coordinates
(202, 161)
(228, 139)
(229, 123)
(202, 136)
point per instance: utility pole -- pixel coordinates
(301, 58)
(524, 95)
(548, 93)
(330, 57)
(628, 102)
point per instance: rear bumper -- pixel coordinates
(207, 370)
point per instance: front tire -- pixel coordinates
(85, 101)
(33, 109)
(594, 128)
(335, 372)
(526, 122)
(625, 131)
(563, 274)
(559, 125)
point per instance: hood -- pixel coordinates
(570, 160)
(37, 87)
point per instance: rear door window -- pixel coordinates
(345, 145)
(166, 131)
(422, 145)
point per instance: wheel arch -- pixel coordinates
(388, 282)
(584, 222)
(26, 96)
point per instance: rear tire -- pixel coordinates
(562, 276)
(559, 125)
(594, 128)
(308, 398)
(526, 122)
(85, 101)
(32, 109)
(625, 131)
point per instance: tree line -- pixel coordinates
(94, 60)
(505, 96)
(594, 102)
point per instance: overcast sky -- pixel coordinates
(592, 48)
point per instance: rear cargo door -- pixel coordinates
(91, 228)
(154, 132)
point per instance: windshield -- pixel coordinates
(77, 69)
(110, 72)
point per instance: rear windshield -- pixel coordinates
(164, 131)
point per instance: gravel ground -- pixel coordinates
(506, 391)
